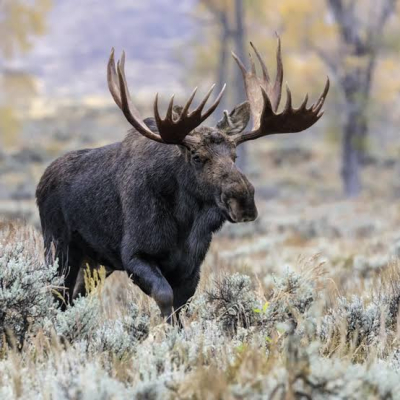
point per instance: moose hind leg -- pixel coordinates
(69, 263)
(151, 281)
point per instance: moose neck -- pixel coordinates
(167, 172)
(199, 196)
(202, 208)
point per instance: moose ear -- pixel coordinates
(236, 120)
(151, 124)
(176, 112)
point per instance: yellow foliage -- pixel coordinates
(20, 20)
(308, 29)
(18, 88)
(387, 87)
(9, 126)
(354, 62)
(94, 278)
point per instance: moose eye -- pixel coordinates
(197, 159)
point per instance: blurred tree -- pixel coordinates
(20, 21)
(359, 44)
(345, 35)
(229, 17)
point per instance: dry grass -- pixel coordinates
(290, 337)
(318, 320)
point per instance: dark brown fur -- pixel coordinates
(144, 207)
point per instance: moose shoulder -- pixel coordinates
(149, 205)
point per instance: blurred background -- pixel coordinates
(54, 97)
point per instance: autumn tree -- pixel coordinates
(348, 36)
(359, 41)
(228, 17)
(20, 21)
(346, 39)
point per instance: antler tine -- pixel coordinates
(157, 116)
(215, 104)
(319, 104)
(264, 101)
(131, 107)
(277, 90)
(124, 95)
(240, 64)
(131, 114)
(252, 64)
(288, 105)
(200, 107)
(263, 66)
(316, 107)
(112, 79)
(267, 102)
(170, 106)
(189, 102)
(170, 131)
(122, 66)
(176, 131)
(303, 105)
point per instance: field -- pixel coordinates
(301, 304)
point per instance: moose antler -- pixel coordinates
(171, 130)
(264, 99)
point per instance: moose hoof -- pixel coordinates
(164, 299)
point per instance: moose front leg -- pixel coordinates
(184, 290)
(149, 278)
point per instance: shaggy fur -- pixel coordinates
(144, 207)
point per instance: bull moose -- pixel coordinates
(149, 205)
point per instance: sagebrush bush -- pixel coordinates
(293, 294)
(370, 320)
(287, 339)
(121, 337)
(232, 302)
(78, 322)
(367, 266)
(27, 288)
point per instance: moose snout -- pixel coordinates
(239, 203)
(242, 211)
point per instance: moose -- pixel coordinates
(149, 205)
